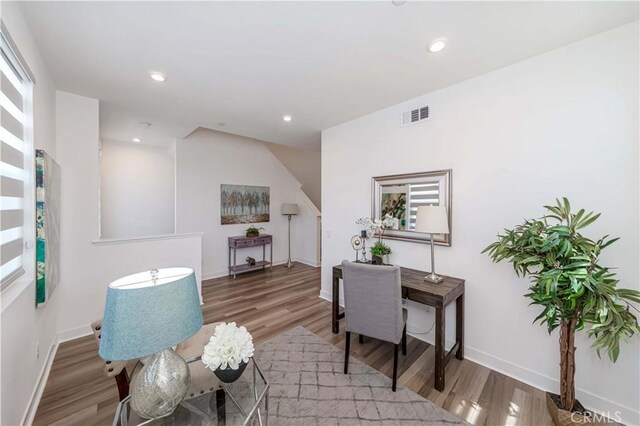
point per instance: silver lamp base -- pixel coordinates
(433, 278)
(161, 385)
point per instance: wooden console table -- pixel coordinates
(236, 243)
(414, 287)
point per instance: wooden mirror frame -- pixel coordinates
(443, 176)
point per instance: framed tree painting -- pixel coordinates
(244, 204)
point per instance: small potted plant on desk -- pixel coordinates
(573, 289)
(252, 231)
(379, 251)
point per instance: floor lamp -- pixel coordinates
(289, 210)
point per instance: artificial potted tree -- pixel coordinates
(573, 289)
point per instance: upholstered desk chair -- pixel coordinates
(373, 307)
(202, 378)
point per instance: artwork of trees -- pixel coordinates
(244, 204)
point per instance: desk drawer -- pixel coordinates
(263, 240)
(245, 243)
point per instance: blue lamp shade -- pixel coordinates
(148, 312)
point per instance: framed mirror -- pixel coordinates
(400, 196)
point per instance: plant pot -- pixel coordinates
(562, 417)
(380, 260)
(252, 234)
(229, 375)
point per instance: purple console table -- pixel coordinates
(236, 243)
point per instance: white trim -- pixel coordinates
(308, 262)
(73, 333)
(36, 395)
(225, 272)
(38, 390)
(15, 289)
(548, 384)
(106, 241)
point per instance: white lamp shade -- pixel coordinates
(432, 220)
(289, 209)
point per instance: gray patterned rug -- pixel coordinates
(308, 387)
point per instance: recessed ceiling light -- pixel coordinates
(437, 45)
(136, 140)
(158, 76)
(287, 117)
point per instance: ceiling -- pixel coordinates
(246, 64)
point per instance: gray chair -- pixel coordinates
(373, 307)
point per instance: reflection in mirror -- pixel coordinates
(401, 195)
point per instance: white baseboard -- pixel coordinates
(73, 333)
(225, 272)
(36, 395)
(307, 262)
(600, 404)
(34, 401)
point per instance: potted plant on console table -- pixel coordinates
(252, 232)
(574, 290)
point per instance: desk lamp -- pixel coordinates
(432, 220)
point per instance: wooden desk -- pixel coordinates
(414, 287)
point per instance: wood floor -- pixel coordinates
(77, 393)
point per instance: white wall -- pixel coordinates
(22, 325)
(87, 267)
(305, 165)
(207, 159)
(137, 189)
(564, 123)
(305, 231)
(67, 124)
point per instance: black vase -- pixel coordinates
(229, 375)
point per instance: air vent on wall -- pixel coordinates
(415, 116)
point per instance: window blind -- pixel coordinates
(422, 194)
(15, 92)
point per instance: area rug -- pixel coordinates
(308, 387)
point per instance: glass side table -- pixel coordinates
(243, 402)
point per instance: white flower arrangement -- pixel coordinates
(228, 347)
(377, 226)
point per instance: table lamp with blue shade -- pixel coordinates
(147, 314)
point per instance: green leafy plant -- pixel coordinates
(380, 249)
(570, 285)
(252, 230)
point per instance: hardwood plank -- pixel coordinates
(269, 303)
